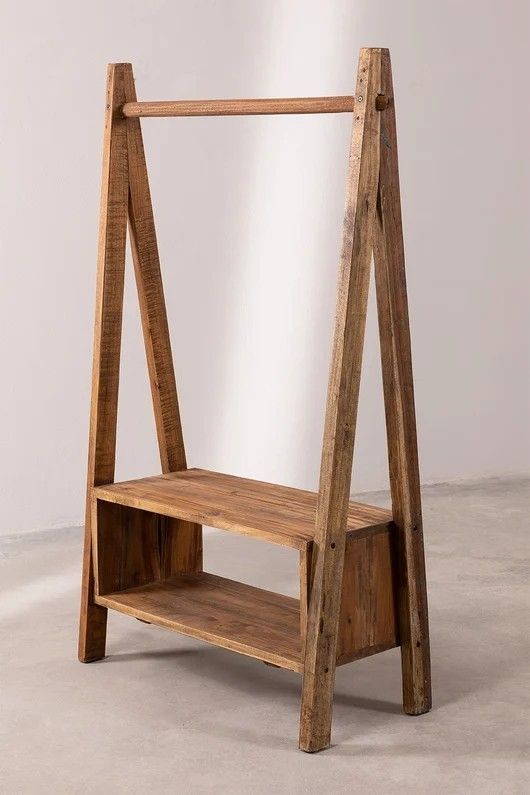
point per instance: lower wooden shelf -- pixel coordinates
(235, 616)
(137, 530)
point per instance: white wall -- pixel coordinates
(249, 216)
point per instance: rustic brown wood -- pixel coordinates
(181, 541)
(278, 514)
(341, 411)
(230, 614)
(126, 547)
(305, 572)
(362, 576)
(400, 416)
(127, 555)
(381, 102)
(368, 651)
(131, 547)
(367, 617)
(239, 107)
(107, 341)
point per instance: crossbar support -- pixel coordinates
(240, 107)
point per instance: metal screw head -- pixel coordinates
(360, 98)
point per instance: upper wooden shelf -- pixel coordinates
(278, 514)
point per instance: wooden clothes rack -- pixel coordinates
(362, 574)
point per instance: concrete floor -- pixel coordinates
(167, 714)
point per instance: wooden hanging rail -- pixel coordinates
(240, 107)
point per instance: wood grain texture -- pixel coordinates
(278, 514)
(400, 416)
(107, 342)
(151, 298)
(182, 540)
(126, 547)
(129, 578)
(239, 107)
(367, 619)
(133, 547)
(341, 410)
(305, 570)
(362, 571)
(229, 614)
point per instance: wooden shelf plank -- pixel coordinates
(279, 514)
(229, 614)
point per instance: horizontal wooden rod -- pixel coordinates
(240, 107)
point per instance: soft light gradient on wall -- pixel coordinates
(249, 215)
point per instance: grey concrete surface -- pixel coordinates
(167, 714)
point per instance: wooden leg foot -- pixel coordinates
(93, 617)
(315, 715)
(415, 660)
(416, 710)
(420, 708)
(92, 633)
(417, 698)
(311, 745)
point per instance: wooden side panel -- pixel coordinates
(180, 546)
(400, 416)
(107, 343)
(182, 541)
(131, 547)
(127, 547)
(341, 410)
(367, 622)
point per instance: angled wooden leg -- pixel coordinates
(400, 417)
(341, 411)
(107, 343)
(181, 542)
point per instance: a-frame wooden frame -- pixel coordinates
(137, 543)
(372, 222)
